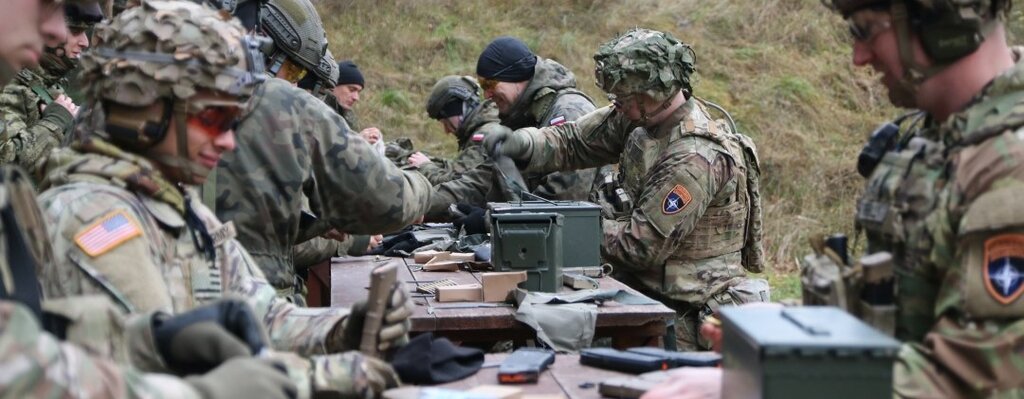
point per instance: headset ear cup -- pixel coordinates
(945, 42)
(134, 127)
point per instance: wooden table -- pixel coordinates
(566, 376)
(627, 325)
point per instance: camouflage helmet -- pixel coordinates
(168, 50)
(297, 31)
(327, 70)
(644, 61)
(462, 90)
(981, 8)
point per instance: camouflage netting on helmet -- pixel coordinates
(644, 61)
(297, 30)
(166, 50)
(451, 88)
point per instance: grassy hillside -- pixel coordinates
(780, 66)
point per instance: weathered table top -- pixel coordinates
(566, 376)
(350, 280)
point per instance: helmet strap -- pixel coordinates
(180, 162)
(644, 116)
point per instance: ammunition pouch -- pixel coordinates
(748, 290)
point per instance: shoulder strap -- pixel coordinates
(43, 94)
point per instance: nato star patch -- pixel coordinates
(107, 233)
(1004, 267)
(675, 200)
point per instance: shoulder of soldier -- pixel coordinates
(95, 216)
(15, 95)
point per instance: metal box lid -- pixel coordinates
(807, 331)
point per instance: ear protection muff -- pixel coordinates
(137, 128)
(946, 34)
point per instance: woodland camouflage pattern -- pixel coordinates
(93, 179)
(481, 121)
(958, 250)
(30, 133)
(289, 139)
(550, 97)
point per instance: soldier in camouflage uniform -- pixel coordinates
(165, 87)
(36, 363)
(289, 140)
(693, 224)
(945, 204)
(34, 107)
(529, 91)
(455, 102)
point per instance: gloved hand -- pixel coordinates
(351, 374)
(245, 378)
(394, 330)
(473, 219)
(505, 142)
(199, 340)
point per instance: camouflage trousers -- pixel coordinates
(690, 316)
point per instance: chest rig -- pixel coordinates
(900, 194)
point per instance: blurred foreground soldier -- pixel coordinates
(946, 205)
(291, 143)
(455, 102)
(38, 364)
(165, 86)
(33, 126)
(689, 222)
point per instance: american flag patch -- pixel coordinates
(477, 137)
(107, 233)
(557, 121)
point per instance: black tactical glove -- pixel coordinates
(199, 340)
(245, 378)
(394, 330)
(472, 218)
(505, 142)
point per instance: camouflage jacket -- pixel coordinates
(550, 99)
(684, 236)
(30, 134)
(288, 139)
(470, 134)
(90, 194)
(38, 365)
(946, 205)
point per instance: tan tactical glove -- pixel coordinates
(245, 378)
(394, 331)
(351, 374)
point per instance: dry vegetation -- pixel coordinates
(780, 66)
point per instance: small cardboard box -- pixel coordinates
(497, 286)
(460, 293)
(448, 261)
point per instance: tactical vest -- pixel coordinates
(542, 108)
(724, 229)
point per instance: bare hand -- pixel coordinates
(689, 383)
(417, 159)
(371, 134)
(375, 242)
(65, 102)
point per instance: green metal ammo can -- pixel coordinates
(581, 234)
(530, 242)
(803, 352)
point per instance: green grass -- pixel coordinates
(781, 67)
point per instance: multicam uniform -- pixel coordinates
(34, 362)
(945, 207)
(111, 209)
(471, 132)
(684, 239)
(288, 139)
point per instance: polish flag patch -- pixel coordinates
(477, 137)
(557, 121)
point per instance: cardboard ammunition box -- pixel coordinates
(581, 234)
(460, 293)
(530, 242)
(498, 286)
(803, 352)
